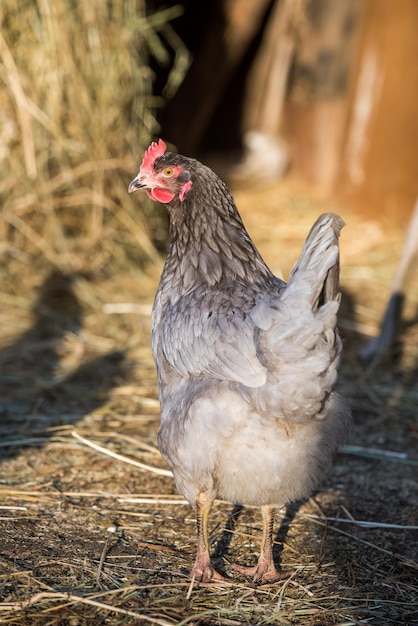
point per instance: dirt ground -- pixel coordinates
(91, 539)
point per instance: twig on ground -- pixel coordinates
(376, 453)
(120, 457)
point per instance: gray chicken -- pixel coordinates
(246, 363)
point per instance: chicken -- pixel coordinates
(246, 363)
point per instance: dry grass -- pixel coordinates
(76, 110)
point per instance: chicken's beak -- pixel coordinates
(136, 183)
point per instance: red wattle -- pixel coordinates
(162, 195)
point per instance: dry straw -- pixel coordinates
(76, 110)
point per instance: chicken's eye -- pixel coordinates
(168, 172)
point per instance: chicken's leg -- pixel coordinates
(202, 569)
(265, 570)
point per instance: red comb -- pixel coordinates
(156, 149)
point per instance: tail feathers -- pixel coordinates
(316, 273)
(299, 340)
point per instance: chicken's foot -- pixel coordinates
(265, 571)
(203, 570)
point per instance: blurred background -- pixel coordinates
(323, 90)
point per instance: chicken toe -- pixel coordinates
(263, 572)
(204, 572)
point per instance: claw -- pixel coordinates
(260, 573)
(205, 573)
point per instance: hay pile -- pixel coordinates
(76, 110)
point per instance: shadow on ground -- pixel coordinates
(48, 378)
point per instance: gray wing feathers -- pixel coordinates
(207, 336)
